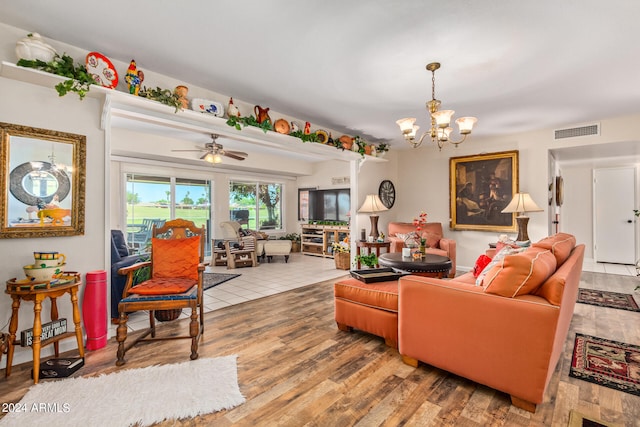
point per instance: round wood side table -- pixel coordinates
(37, 292)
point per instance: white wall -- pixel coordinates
(29, 105)
(424, 174)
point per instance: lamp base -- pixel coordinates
(374, 227)
(522, 222)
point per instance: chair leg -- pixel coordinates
(194, 332)
(152, 323)
(121, 336)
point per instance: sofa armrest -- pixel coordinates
(505, 343)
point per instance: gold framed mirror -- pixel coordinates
(42, 182)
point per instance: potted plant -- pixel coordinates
(295, 241)
(369, 260)
(381, 149)
(341, 254)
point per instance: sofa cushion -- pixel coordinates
(507, 250)
(432, 239)
(175, 257)
(381, 295)
(560, 245)
(520, 273)
(552, 289)
(410, 237)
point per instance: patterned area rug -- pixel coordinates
(210, 280)
(607, 299)
(607, 363)
(576, 419)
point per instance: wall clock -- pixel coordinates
(387, 193)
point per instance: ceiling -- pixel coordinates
(358, 66)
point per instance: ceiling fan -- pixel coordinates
(214, 151)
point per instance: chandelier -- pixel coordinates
(440, 119)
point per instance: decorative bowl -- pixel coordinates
(42, 274)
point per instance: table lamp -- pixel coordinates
(521, 204)
(372, 204)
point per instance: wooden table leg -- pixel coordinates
(76, 319)
(54, 316)
(13, 327)
(37, 332)
(357, 254)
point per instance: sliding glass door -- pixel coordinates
(151, 200)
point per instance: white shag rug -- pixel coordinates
(138, 397)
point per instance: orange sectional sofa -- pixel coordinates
(508, 333)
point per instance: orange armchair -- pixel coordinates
(432, 232)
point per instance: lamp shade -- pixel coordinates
(521, 202)
(372, 204)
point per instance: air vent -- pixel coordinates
(577, 132)
(341, 180)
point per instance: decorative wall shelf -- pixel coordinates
(127, 111)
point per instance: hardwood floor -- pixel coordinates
(296, 368)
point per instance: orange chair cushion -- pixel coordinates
(164, 286)
(560, 245)
(175, 257)
(381, 295)
(520, 274)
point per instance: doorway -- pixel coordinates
(614, 192)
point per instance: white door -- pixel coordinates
(614, 201)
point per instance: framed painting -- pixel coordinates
(481, 186)
(42, 182)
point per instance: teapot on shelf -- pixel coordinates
(262, 114)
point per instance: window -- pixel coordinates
(256, 205)
(155, 199)
(327, 205)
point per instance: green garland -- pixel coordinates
(248, 121)
(79, 79)
(164, 96)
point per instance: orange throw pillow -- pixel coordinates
(560, 245)
(521, 273)
(175, 257)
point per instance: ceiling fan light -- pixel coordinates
(406, 125)
(466, 124)
(209, 157)
(217, 158)
(443, 117)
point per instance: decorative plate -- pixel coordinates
(323, 136)
(282, 126)
(206, 106)
(102, 70)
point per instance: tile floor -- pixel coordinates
(599, 267)
(301, 270)
(257, 282)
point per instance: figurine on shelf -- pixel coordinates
(134, 78)
(232, 110)
(294, 127)
(182, 92)
(262, 114)
(307, 128)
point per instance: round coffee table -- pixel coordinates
(429, 265)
